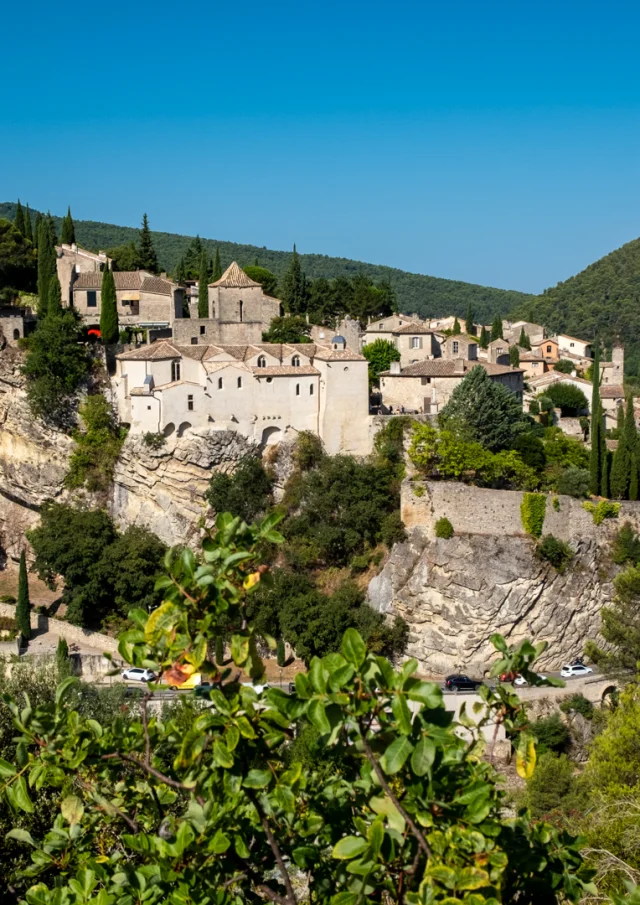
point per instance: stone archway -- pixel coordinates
(183, 427)
(271, 436)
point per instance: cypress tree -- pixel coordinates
(179, 274)
(620, 419)
(605, 459)
(68, 232)
(52, 232)
(203, 286)
(469, 328)
(294, 286)
(108, 309)
(217, 267)
(23, 607)
(36, 231)
(484, 338)
(46, 265)
(496, 328)
(633, 481)
(280, 653)
(524, 342)
(620, 470)
(63, 664)
(19, 220)
(631, 441)
(456, 327)
(595, 461)
(514, 356)
(28, 231)
(147, 257)
(54, 302)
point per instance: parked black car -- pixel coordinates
(461, 683)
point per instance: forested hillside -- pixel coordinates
(426, 295)
(603, 300)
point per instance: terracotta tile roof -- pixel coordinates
(558, 377)
(234, 351)
(285, 371)
(446, 367)
(212, 366)
(612, 392)
(157, 285)
(326, 354)
(88, 281)
(157, 351)
(234, 278)
(411, 328)
(175, 383)
(197, 353)
(531, 356)
(131, 279)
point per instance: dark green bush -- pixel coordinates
(246, 492)
(309, 452)
(534, 407)
(554, 551)
(568, 398)
(553, 787)
(552, 734)
(577, 703)
(626, 545)
(574, 482)
(531, 451)
(564, 366)
(444, 528)
(154, 441)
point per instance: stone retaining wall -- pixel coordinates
(71, 633)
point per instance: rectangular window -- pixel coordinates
(548, 348)
(571, 345)
(194, 340)
(126, 302)
(190, 403)
(415, 342)
(297, 389)
(219, 383)
(425, 380)
(311, 390)
(202, 330)
(455, 348)
(91, 299)
(239, 383)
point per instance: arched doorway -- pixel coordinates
(183, 427)
(271, 436)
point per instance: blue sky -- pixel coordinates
(492, 142)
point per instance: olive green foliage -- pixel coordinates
(546, 403)
(388, 445)
(620, 625)
(56, 365)
(555, 502)
(23, 606)
(288, 329)
(380, 353)
(446, 455)
(553, 786)
(456, 330)
(602, 510)
(532, 513)
(564, 366)
(552, 734)
(97, 447)
(267, 279)
(63, 663)
(444, 528)
(485, 411)
(531, 450)
(523, 341)
(573, 482)
(615, 756)
(246, 492)
(563, 452)
(568, 398)
(219, 650)
(280, 653)
(309, 451)
(154, 440)
(9, 630)
(124, 257)
(104, 572)
(496, 328)
(17, 261)
(554, 551)
(626, 546)
(534, 407)
(428, 296)
(577, 703)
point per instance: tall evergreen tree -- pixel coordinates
(19, 220)
(469, 328)
(68, 232)
(203, 286)
(23, 606)
(524, 342)
(36, 231)
(180, 275)
(456, 328)
(52, 232)
(108, 309)
(484, 338)
(217, 267)
(46, 265)
(633, 481)
(595, 460)
(54, 301)
(514, 356)
(28, 229)
(496, 328)
(147, 257)
(293, 292)
(605, 459)
(620, 418)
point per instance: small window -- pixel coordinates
(311, 390)
(425, 380)
(297, 389)
(175, 370)
(148, 408)
(380, 326)
(203, 330)
(92, 299)
(219, 383)
(194, 340)
(548, 348)
(239, 383)
(190, 403)
(456, 346)
(295, 361)
(269, 379)
(241, 311)
(262, 362)
(571, 345)
(415, 342)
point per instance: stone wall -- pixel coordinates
(456, 593)
(73, 634)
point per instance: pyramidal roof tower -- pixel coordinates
(234, 277)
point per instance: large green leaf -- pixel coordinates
(349, 847)
(257, 779)
(396, 754)
(353, 647)
(423, 756)
(318, 716)
(72, 809)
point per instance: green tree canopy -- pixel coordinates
(294, 290)
(19, 219)
(469, 327)
(524, 342)
(68, 232)
(380, 353)
(124, 257)
(147, 257)
(203, 286)
(17, 259)
(109, 330)
(485, 411)
(217, 266)
(268, 280)
(564, 366)
(483, 342)
(23, 606)
(496, 328)
(246, 492)
(568, 398)
(514, 356)
(46, 264)
(291, 328)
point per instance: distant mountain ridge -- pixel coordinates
(425, 295)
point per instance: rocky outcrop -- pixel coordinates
(454, 594)
(163, 489)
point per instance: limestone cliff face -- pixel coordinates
(164, 489)
(456, 593)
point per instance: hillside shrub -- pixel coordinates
(626, 545)
(555, 552)
(564, 366)
(246, 492)
(309, 451)
(534, 407)
(568, 398)
(574, 482)
(7, 598)
(552, 734)
(9, 630)
(553, 790)
(532, 513)
(97, 447)
(577, 703)
(602, 510)
(154, 440)
(444, 528)
(531, 450)
(555, 502)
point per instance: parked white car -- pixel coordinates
(519, 680)
(137, 674)
(257, 688)
(575, 671)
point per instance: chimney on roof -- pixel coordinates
(395, 367)
(163, 275)
(458, 366)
